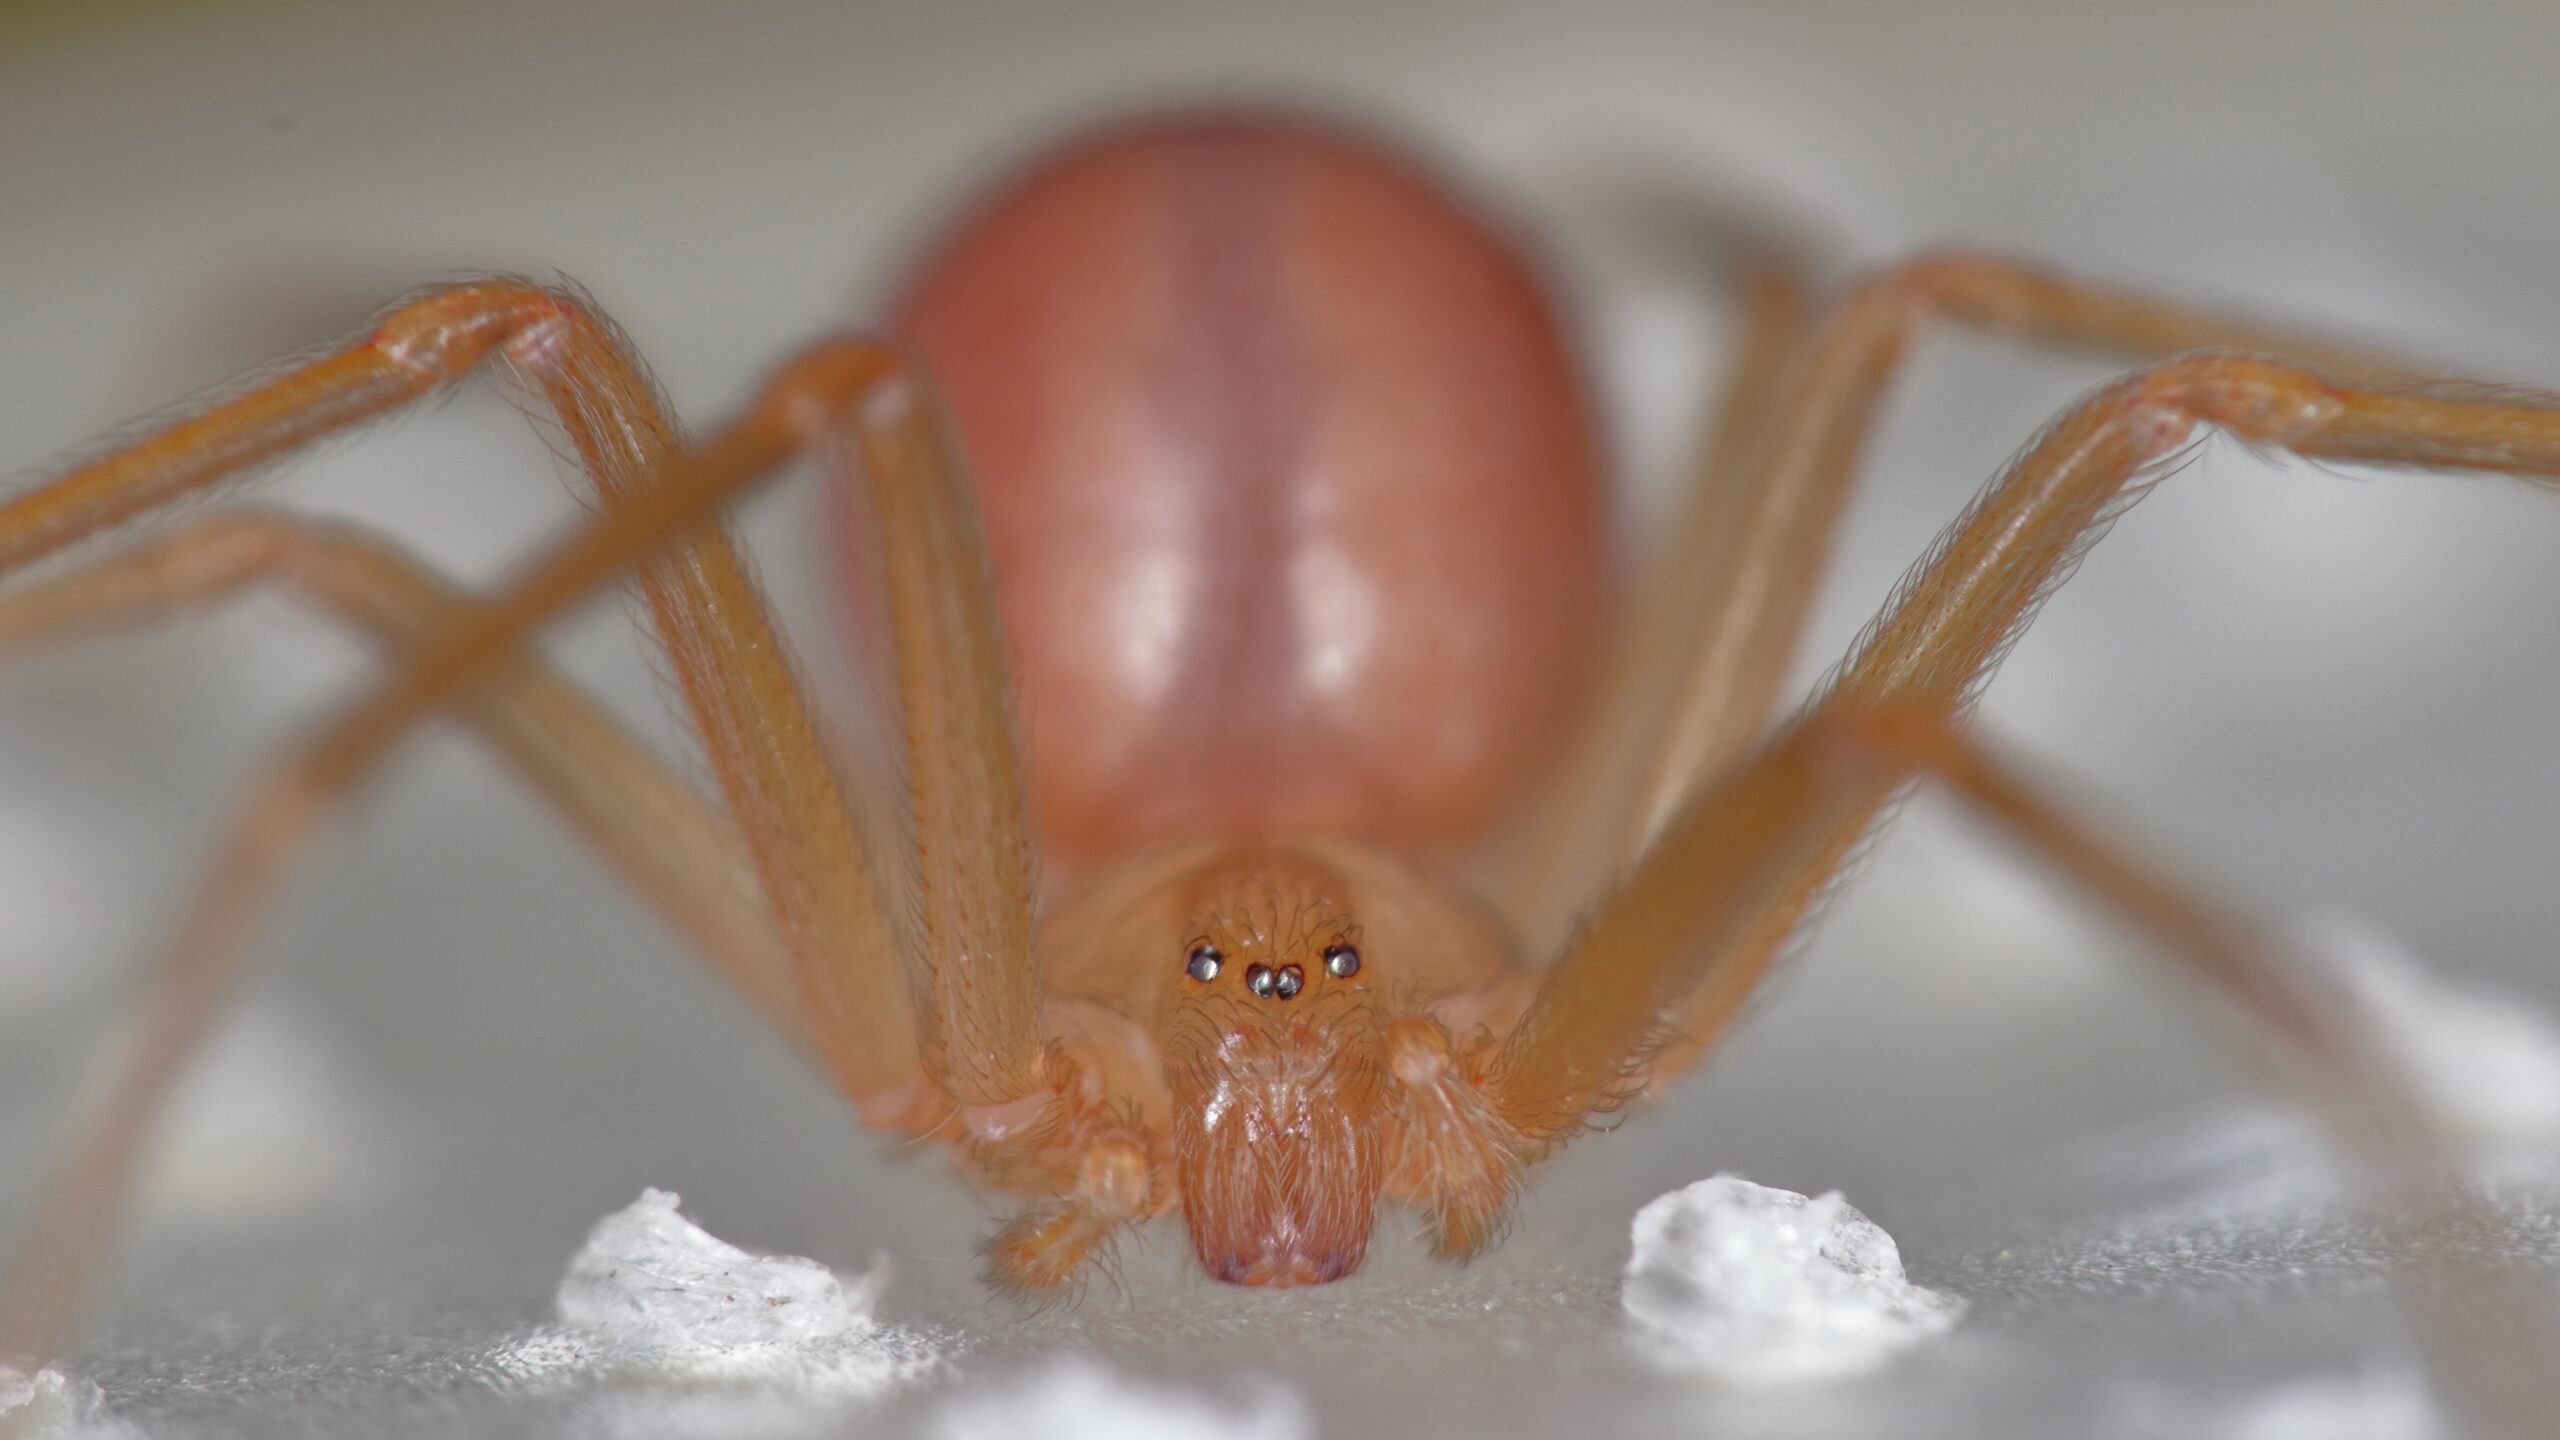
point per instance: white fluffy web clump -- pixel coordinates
(50, 1405)
(654, 1297)
(1757, 1286)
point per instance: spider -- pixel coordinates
(1285, 548)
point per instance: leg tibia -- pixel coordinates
(972, 842)
(1998, 294)
(739, 685)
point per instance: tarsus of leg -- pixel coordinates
(651, 827)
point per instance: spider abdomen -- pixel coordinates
(1288, 481)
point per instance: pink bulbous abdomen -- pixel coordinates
(1291, 492)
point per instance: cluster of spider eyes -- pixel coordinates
(1340, 961)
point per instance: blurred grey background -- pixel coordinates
(2317, 689)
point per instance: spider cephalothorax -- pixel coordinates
(1277, 1022)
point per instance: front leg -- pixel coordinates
(1955, 616)
(973, 850)
(1721, 615)
(2484, 1328)
(722, 650)
(853, 986)
(1670, 957)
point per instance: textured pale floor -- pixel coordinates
(465, 1047)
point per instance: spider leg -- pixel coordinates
(1753, 585)
(1955, 615)
(733, 670)
(1549, 860)
(978, 1035)
(973, 845)
(2483, 1328)
(749, 708)
(643, 820)
(985, 1048)
(722, 650)
(1667, 960)
(1716, 629)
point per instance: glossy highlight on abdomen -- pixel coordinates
(1290, 487)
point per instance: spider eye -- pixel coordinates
(1261, 980)
(1341, 961)
(1291, 981)
(1205, 963)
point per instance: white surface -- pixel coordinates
(653, 1295)
(1077, 1400)
(1757, 1286)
